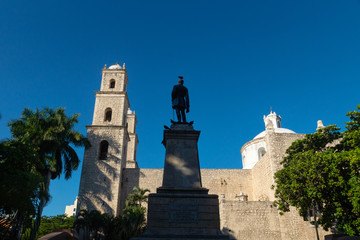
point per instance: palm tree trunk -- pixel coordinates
(41, 206)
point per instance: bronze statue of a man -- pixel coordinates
(180, 100)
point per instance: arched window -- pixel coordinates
(112, 83)
(103, 150)
(108, 113)
(261, 152)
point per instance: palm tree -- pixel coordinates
(52, 132)
(137, 197)
(133, 222)
(133, 217)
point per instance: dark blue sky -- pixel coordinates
(238, 58)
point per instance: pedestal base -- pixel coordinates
(181, 215)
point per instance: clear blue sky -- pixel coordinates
(238, 58)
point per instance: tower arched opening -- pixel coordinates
(103, 150)
(108, 115)
(112, 83)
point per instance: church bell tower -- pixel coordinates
(110, 136)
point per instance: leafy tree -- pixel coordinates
(49, 224)
(19, 185)
(52, 133)
(321, 173)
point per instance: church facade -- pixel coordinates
(110, 169)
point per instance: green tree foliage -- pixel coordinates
(52, 132)
(133, 217)
(45, 138)
(49, 224)
(90, 222)
(18, 181)
(111, 226)
(19, 186)
(137, 197)
(322, 172)
(130, 224)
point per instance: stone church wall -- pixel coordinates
(249, 220)
(277, 144)
(145, 178)
(260, 220)
(294, 227)
(262, 179)
(227, 182)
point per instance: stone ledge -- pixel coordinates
(183, 196)
(181, 191)
(110, 92)
(106, 126)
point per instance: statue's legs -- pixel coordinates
(183, 115)
(180, 113)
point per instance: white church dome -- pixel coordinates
(277, 130)
(115, 66)
(273, 121)
(254, 150)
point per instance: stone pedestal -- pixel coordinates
(182, 208)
